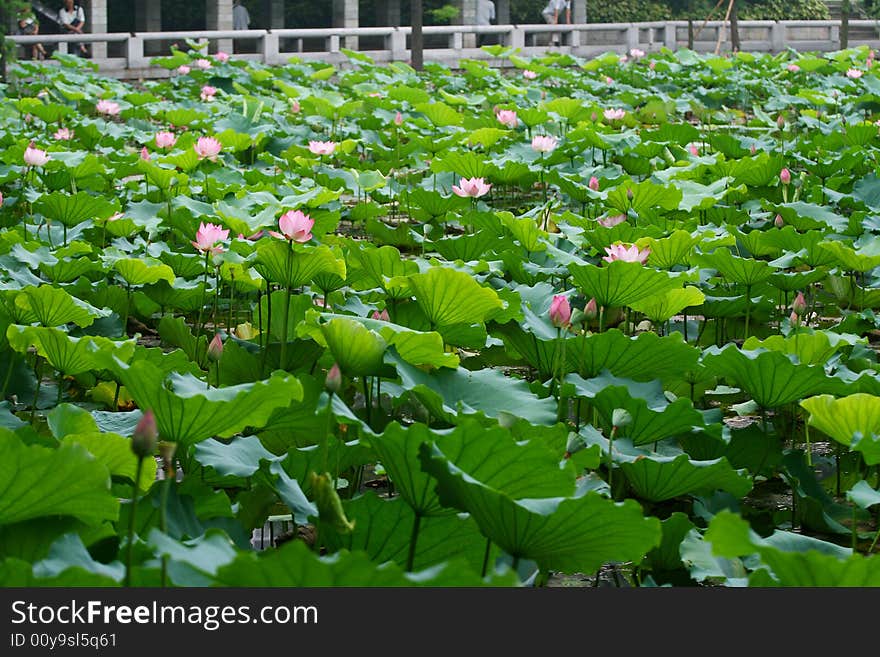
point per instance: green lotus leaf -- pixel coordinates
(114, 451)
(486, 137)
(193, 562)
(517, 469)
(292, 268)
(449, 297)
(440, 114)
(72, 209)
(143, 271)
(663, 307)
(667, 557)
(449, 393)
(358, 350)
(67, 354)
(620, 283)
(383, 529)
(853, 421)
(68, 555)
(80, 484)
(701, 197)
(653, 417)
(188, 413)
(666, 252)
(377, 265)
(646, 195)
(810, 348)
(861, 260)
(770, 377)
(67, 270)
(52, 306)
(863, 496)
(659, 478)
(641, 358)
(739, 270)
(294, 564)
(809, 216)
(792, 559)
(758, 171)
(566, 534)
(468, 248)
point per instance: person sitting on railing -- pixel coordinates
(73, 19)
(485, 16)
(551, 16)
(29, 25)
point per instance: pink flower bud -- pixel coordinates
(333, 382)
(383, 315)
(799, 305)
(398, 119)
(794, 319)
(591, 309)
(560, 311)
(145, 436)
(215, 349)
(785, 176)
(778, 221)
(593, 184)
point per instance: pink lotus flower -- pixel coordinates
(854, 73)
(322, 147)
(694, 150)
(799, 305)
(594, 183)
(793, 68)
(753, 149)
(615, 114)
(215, 348)
(251, 238)
(294, 226)
(34, 157)
(63, 134)
(544, 144)
(208, 147)
(591, 309)
(202, 63)
(626, 253)
(208, 92)
(785, 176)
(611, 222)
(145, 154)
(165, 139)
(652, 64)
(529, 75)
(333, 382)
(207, 237)
(183, 69)
(222, 57)
(624, 59)
(560, 311)
(294, 106)
(398, 119)
(471, 187)
(107, 107)
(383, 316)
(637, 53)
(507, 118)
(145, 435)
(609, 80)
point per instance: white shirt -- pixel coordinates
(555, 7)
(76, 14)
(241, 19)
(485, 12)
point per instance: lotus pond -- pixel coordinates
(485, 326)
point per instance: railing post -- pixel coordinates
(670, 36)
(271, 48)
(632, 37)
(516, 37)
(777, 37)
(398, 45)
(456, 40)
(135, 52)
(574, 38)
(834, 36)
(62, 47)
(334, 43)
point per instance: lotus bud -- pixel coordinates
(398, 119)
(145, 436)
(167, 449)
(785, 176)
(215, 349)
(753, 149)
(328, 503)
(621, 418)
(799, 305)
(779, 222)
(591, 309)
(794, 319)
(629, 194)
(382, 316)
(594, 183)
(560, 311)
(333, 382)
(780, 121)
(573, 444)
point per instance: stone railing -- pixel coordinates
(130, 54)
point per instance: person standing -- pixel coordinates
(241, 19)
(73, 19)
(485, 16)
(552, 13)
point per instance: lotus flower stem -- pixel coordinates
(286, 317)
(855, 530)
(268, 329)
(748, 308)
(8, 376)
(216, 298)
(231, 301)
(131, 518)
(37, 391)
(198, 325)
(486, 557)
(809, 447)
(163, 518)
(413, 540)
(368, 405)
(611, 461)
